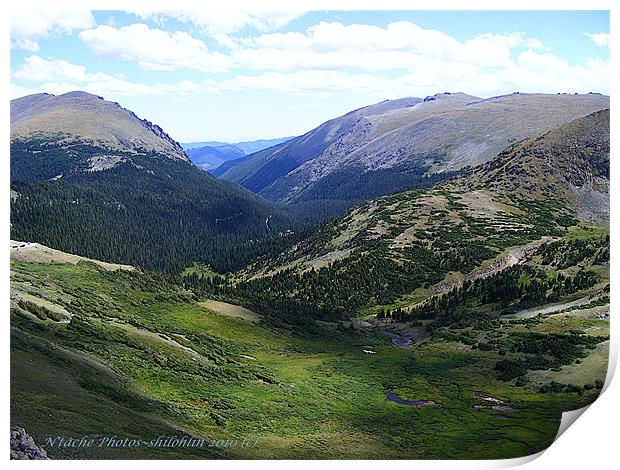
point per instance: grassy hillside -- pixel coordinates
(142, 350)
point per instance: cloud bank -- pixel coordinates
(400, 59)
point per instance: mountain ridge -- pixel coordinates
(533, 190)
(81, 116)
(210, 158)
(443, 132)
(248, 146)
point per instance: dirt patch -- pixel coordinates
(37, 253)
(230, 310)
(547, 310)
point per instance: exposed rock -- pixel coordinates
(23, 446)
(569, 163)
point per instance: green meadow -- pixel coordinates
(142, 358)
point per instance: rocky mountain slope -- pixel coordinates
(444, 132)
(570, 162)
(263, 168)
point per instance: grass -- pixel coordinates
(304, 398)
(586, 231)
(202, 270)
(230, 310)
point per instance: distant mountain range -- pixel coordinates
(248, 147)
(210, 158)
(91, 178)
(210, 155)
(387, 147)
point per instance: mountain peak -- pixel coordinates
(82, 116)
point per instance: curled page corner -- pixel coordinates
(568, 418)
(517, 461)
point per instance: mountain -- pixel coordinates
(81, 117)
(247, 147)
(245, 163)
(402, 248)
(209, 158)
(91, 178)
(570, 162)
(389, 146)
(258, 172)
(253, 146)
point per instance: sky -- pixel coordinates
(236, 76)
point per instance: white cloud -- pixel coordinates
(400, 45)
(219, 24)
(301, 82)
(402, 59)
(60, 76)
(600, 39)
(28, 26)
(37, 69)
(154, 49)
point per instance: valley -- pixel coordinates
(143, 348)
(451, 303)
(210, 155)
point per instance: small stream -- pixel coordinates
(391, 396)
(398, 340)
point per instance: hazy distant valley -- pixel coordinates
(211, 155)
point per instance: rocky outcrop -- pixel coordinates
(514, 256)
(23, 446)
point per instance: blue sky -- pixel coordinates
(241, 76)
